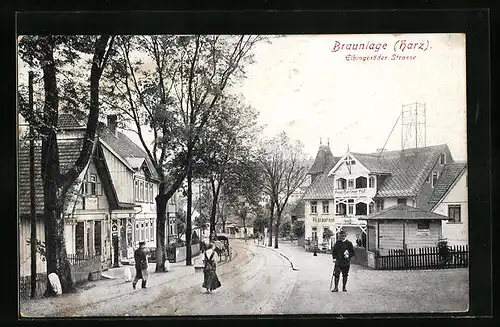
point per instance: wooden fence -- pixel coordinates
(425, 258)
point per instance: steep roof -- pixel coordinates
(323, 186)
(404, 172)
(68, 154)
(405, 212)
(125, 147)
(448, 176)
(69, 121)
(323, 159)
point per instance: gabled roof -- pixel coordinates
(405, 212)
(451, 172)
(404, 172)
(323, 160)
(125, 147)
(68, 154)
(322, 188)
(69, 121)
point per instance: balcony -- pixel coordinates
(350, 220)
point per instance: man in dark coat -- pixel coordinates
(342, 253)
(141, 265)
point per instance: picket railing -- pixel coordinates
(78, 259)
(425, 258)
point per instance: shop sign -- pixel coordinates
(423, 232)
(323, 220)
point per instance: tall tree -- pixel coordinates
(283, 164)
(50, 53)
(170, 86)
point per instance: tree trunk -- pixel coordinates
(276, 233)
(213, 213)
(161, 216)
(271, 220)
(189, 205)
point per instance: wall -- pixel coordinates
(121, 177)
(455, 233)
(417, 239)
(391, 235)
(89, 269)
(360, 257)
(25, 249)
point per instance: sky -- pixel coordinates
(302, 86)
(307, 86)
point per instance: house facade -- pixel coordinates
(356, 185)
(450, 199)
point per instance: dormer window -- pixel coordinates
(435, 176)
(93, 185)
(442, 159)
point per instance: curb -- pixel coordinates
(294, 267)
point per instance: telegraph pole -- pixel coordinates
(32, 190)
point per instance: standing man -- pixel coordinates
(342, 253)
(141, 265)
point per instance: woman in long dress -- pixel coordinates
(210, 280)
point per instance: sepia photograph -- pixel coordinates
(257, 174)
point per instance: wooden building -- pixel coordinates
(402, 226)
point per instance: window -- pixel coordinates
(435, 176)
(402, 201)
(325, 207)
(314, 207)
(380, 204)
(142, 232)
(371, 182)
(350, 207)
(97, 237)
(371, 207)
(152, 235)
(350, 183)
(454, 213)
(340, 209)
(361, 182)
(137, 232)
(361, 209)
(152, 193)
(93, 182)
(341, 183)
(314, 233)
(136, 190)
(423, 225)
(146, 232)
(141, 191)
(442, 159)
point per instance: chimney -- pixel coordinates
(112, 119)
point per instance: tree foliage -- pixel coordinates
(283, 165)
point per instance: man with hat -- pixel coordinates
(342, 252)
(141, 265)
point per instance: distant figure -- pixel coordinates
(210, 279)
(342, 253)
(358, 243)
(141, 265)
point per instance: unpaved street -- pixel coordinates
(259, 280)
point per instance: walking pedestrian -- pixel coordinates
(141, 265)
(210, 279)
(342, 252)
